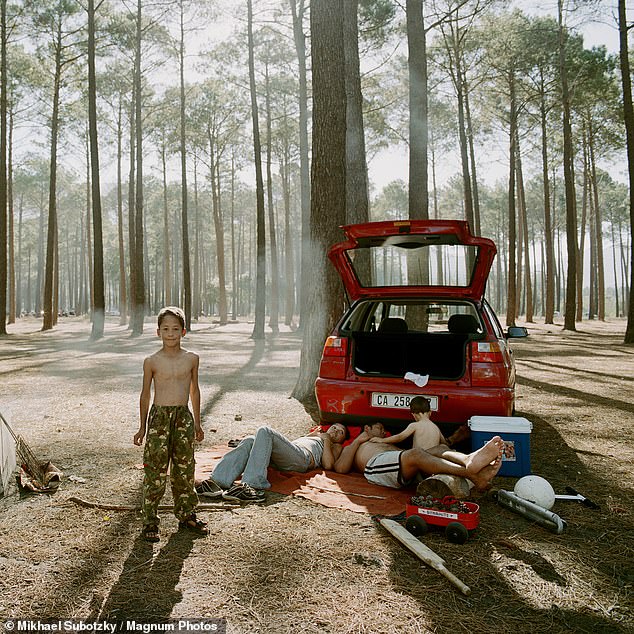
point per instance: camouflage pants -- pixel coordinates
(169, 443)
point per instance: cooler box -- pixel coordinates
(515, 431)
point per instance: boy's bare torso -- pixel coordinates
(426, 435)
(172, 376)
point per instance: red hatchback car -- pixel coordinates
(418, 324)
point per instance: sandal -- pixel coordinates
(151, 533)
(192, 523)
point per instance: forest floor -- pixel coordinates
(292, 566)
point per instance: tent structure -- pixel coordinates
(7, 456)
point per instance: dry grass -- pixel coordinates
(292, 566)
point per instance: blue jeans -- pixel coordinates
(252, 457)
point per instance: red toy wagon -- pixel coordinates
(456, 516)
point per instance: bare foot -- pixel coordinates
(482, 479)
(484, 456)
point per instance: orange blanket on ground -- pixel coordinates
(350, 492)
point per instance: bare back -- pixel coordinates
(172, 376)
(426, 435)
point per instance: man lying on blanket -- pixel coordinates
(387, 465)
(253, 456)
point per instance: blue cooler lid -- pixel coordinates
(501, 424)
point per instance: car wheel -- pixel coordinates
(416, 525)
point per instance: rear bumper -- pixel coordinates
(350, 403)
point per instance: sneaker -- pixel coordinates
(209, 489)
(244, 493)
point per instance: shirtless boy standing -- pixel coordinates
(171, 429)
(426, 433)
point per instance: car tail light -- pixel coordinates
(487, 352)
(490, 363)
(333, 360)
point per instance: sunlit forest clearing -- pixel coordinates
(168, 210)
(291, 565)
(205, 154)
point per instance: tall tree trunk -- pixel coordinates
(472, 161)
(357, 203)
(139, 278)
(167, 269)
(99, 306)
(187, 284)
(598, 228)
(3, 167)
(325, 295)
(617, 311)
(628, 116)
(452, 43)
(298, 11)
(10, 210)
(131, 209)
(39, 290)
(21, 298)
(512, 231)
(418, 111)
(197, 292)
(585, 200)
(123, 296)
(88, 251)
(51, 237)
(569, 183)
(549, 310)
(523, 214)
(274, 306)
(289, 268)
(234, 256)
(260, 274)
(356, 168)
(218, 226)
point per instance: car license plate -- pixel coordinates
(400, 401)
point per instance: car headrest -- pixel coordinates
(463, 324)
(393, 324)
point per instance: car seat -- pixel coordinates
(393, 325)
(463, 325)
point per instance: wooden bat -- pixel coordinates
(422, 552)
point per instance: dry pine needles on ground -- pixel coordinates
(290, 565)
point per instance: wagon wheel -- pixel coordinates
(416, 525)
(456, 533)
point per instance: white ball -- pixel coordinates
(537, 490)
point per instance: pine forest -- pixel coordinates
(160, 152)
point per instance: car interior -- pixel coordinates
(391, 338)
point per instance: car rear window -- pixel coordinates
(406, 262)
(413, 316)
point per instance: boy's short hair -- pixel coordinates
(346, 432)
(419, 405)
(175, 311)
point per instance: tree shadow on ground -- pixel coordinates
(507, 563)
(236, 380)
(228, 382)
(592, 399)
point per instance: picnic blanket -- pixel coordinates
(350, 492)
